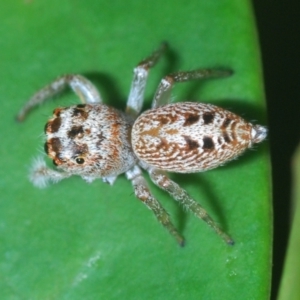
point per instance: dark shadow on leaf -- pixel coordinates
(210, 195)
(108, 88)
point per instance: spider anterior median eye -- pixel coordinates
(79, 160)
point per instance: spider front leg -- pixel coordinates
(137, 90)
(84, 89)
(163, 92)
(179, 194)
(143, 193)
(41, 175)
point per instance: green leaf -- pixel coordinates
(74, 240)
(289, 288)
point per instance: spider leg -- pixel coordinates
(179, 194)
(137, 90)
(86, 91)
(143, 193)
(41, 175)
(163, 92)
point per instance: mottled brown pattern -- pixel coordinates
(79, 111)
(191, 119)
(54, 146)
(53, 125)
(163, 145)
(226, 138)
(191, 144)
(208, 117)
(57, 111)
(76, 131)
(87, 131)
(208, 143)
(226, 123)
(172, 131)
(153, 131)
(100, 139)
(115, 142)
(164, 120)
(80, 150)
(233, 136)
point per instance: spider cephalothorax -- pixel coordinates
(80, 142)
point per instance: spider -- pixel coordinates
(94, 140)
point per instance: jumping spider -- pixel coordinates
(94, 140)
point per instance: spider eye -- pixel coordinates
(79, 160)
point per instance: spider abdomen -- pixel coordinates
(191, 137)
